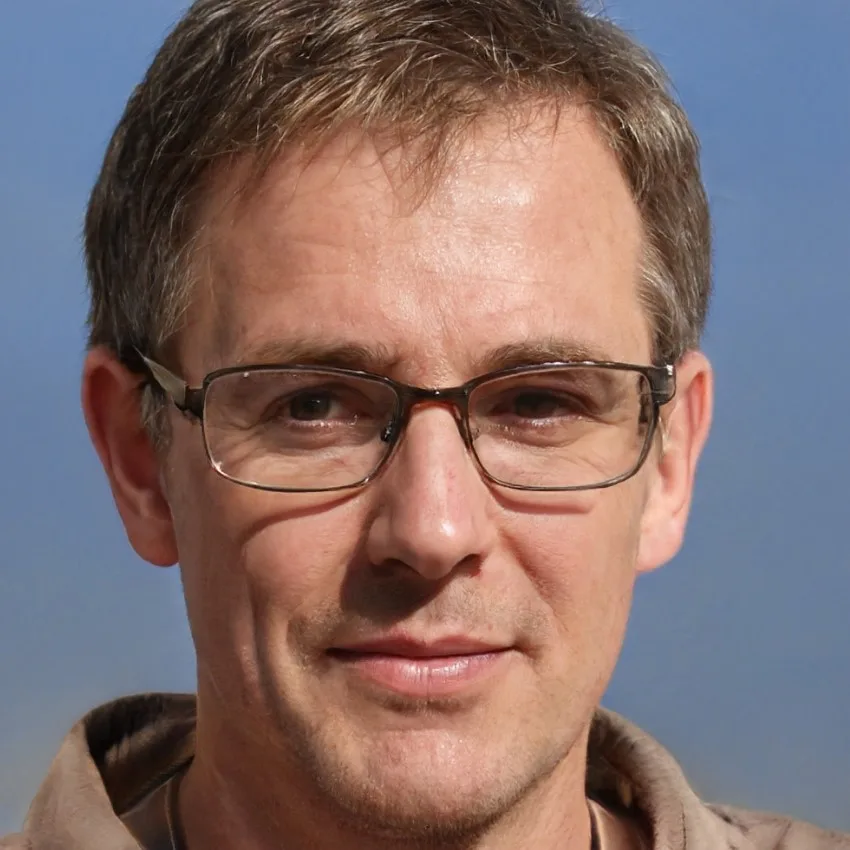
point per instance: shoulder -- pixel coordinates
(767, 831)
(14, 842)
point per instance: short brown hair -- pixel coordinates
(255, 76)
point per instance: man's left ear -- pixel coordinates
(684, 429)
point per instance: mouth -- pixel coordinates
(423, 669)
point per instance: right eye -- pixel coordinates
(312, 406)
(317, 405)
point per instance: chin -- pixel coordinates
(426, 786)
(420, 806)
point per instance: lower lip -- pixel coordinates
(423, 677)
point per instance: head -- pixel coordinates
(427, 191)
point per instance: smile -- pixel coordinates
(423, 671)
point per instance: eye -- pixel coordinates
(310, 406)
(323, 405)
(536, 404)
(540, 404)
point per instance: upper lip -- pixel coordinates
(409, 647)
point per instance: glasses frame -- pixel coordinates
(191, 402)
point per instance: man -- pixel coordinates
(394, 343)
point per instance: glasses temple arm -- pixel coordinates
(173, 386)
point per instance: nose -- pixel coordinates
(432, 505)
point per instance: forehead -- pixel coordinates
(526, 233)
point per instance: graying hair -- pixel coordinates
(256, 77)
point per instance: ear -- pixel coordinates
(112, 407)
(684, 432)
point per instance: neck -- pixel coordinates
(245, 797)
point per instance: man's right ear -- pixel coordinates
(112, 407)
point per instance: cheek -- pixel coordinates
(254, 565)
(245, 553)
(582, 566)
(291, 563)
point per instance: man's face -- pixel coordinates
(530, 238)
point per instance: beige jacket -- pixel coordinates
(117, 754)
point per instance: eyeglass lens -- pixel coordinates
(313, 430)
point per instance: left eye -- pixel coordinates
(539, 404)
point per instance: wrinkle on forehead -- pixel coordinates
(292, 230)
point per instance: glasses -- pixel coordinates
(555, 426)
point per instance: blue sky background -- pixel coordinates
(739, 653)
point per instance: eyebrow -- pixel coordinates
(535, 352)
(377, 358)
(372, 357)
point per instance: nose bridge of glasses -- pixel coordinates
(455, 398)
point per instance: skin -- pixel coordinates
(529, 235)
